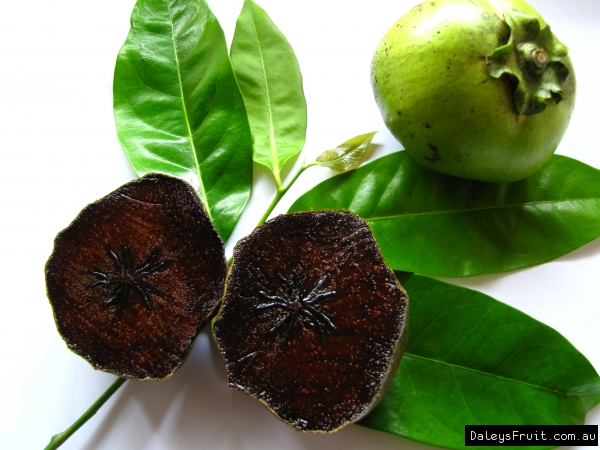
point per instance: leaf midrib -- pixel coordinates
(453, 366)
(185, 114)
(274, 159)
(454, 211)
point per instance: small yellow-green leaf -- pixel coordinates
(348, 155)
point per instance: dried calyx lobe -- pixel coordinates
(134, 277)
(535, 60)
(313, 321)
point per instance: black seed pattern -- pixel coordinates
(130, 278)
(297, 308)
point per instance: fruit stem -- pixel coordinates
(59, 439)
(540, 57)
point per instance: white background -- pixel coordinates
(59, 152)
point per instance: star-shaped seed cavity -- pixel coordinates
(135, 276)
(313, 323)
(298, 308)
(129, 279)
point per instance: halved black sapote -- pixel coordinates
(313, 322)
(135, 276)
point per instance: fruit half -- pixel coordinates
(313, 322)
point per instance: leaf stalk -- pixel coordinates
(281, 191)
(59, 439)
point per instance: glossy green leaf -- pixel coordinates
(436, 224)
(269, 77)
(471, 359)
(178, 108)
(346, 156)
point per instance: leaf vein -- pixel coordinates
(461, 394)
(554, 391)
(185, 113)
(534, 203)
(274, 159)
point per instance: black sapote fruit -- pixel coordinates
(477, 89)
(135, 276)
(313, 323)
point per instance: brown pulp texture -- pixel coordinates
(135, 276)
(313, 321)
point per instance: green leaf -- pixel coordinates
(178, 108)
(346, 156)
(436, 224)
(270, 80)
(471, 359)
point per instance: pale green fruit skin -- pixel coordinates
(431, 84)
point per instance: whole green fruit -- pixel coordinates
(478, 89)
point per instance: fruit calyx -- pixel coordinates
(533, 58)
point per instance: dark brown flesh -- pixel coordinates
(135, 276)
(313, 321)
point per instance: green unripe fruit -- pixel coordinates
(478, 89)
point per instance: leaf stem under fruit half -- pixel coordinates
(58, 439)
